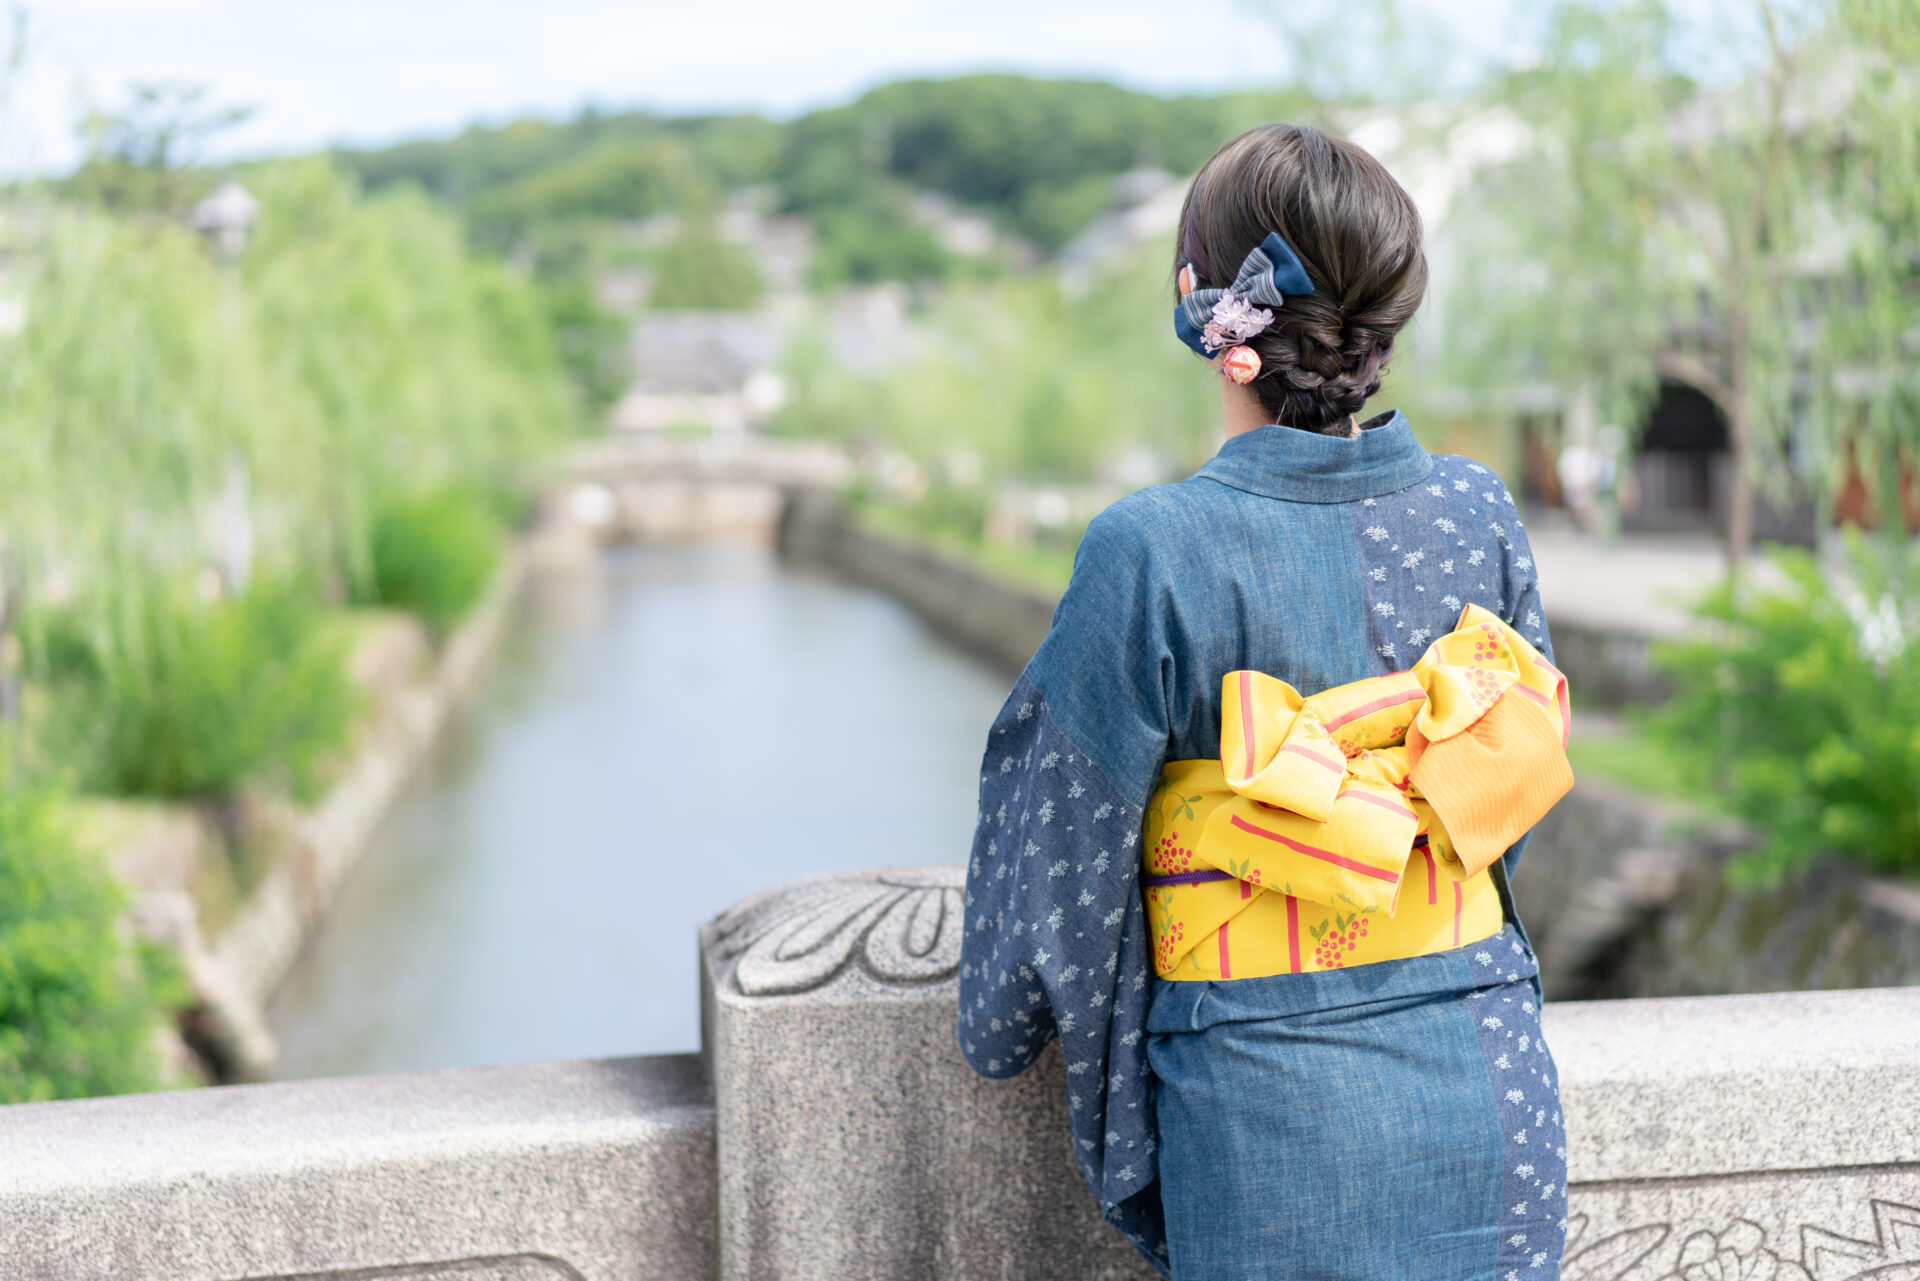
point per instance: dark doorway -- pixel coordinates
(1676, 472)
(1682, 476)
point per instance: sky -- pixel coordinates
(375, 71)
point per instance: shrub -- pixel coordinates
(192, 699)
(1802, 704)
(433, 554)
(80, 1002)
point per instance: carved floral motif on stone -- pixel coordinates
(505, 1267)
(1741, 1252)
(898, 927)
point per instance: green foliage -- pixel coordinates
(1569, 243)
(1872, 397)
(1043, 567)
(123, 397)
(1053, 212)
(479, 165)
(1801, 705)
(591, 342)
(160, 413)
(413, 364)
(699, 269)
(433, 554)
(1039, 155)
(615, 179)
(1002, 143)
(564, 199)
(1012, 380)
(360, 349)
(158, 693)
(866, 244)
(80, 1003)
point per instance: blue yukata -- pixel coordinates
(1398, 1119)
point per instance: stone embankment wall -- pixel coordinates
(830, 1131)
(1624, 894)
(1002, 624)
(1627, 895)
(1611, 669)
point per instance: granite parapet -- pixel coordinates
(584, 1171)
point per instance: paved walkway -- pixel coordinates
(1641, 583)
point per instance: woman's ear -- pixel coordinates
(1187, 280)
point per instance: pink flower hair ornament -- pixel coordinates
(1233, 321)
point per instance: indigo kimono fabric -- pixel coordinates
(1398, 1118)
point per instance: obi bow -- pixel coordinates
(1326, 797)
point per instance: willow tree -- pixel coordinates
(403, 362)
(1869, 331)
(1657, 223)
(158, 411)
(123, 394)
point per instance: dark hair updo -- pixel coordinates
(1354, 229)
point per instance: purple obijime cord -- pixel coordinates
(1213, 874)
(1188, 878)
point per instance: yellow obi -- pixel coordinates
(1356, 825)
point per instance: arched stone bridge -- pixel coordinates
(656, 486)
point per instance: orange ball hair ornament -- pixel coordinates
(1242, 364)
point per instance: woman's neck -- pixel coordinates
(1243, 412)
(1241, 408)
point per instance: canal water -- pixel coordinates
(660, 736)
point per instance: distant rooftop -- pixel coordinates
(702, 351)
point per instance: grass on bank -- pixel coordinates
(1625, 753)
(159, 693)
(433, 554)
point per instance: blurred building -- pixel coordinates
(962, 232)
(715, 371)
(1145, 208)
(712, 370)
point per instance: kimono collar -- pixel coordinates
(1306, 467)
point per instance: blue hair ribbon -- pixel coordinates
(1270, 275)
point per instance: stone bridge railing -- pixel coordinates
(830, 1131)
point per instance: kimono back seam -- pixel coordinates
(1319, 560)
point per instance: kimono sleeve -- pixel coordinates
(1055, 941)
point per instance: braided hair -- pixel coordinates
(1357, 234)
